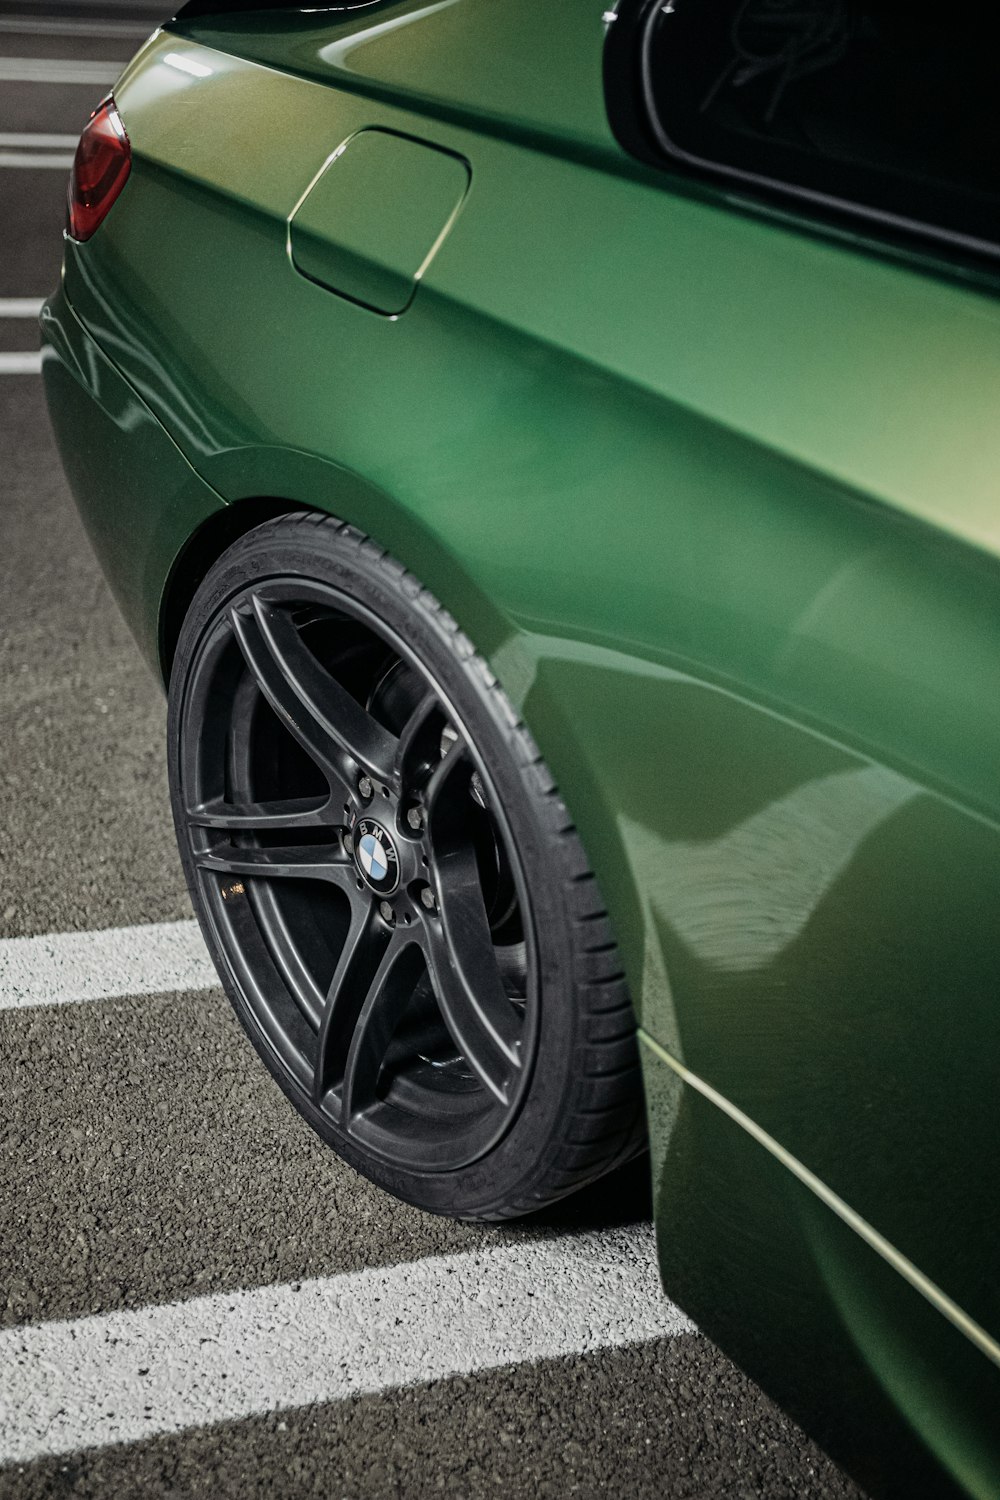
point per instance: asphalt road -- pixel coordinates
(150, 1170)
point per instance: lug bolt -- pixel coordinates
(427, 898)
(415, 817)
(348, 843)
(387, 911)
(365, 787)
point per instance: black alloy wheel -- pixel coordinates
(373, 865)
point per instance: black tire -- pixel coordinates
(464, 1038)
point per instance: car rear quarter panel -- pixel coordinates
(717, 497)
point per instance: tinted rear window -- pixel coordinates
(875, 105)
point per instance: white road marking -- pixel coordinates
(34, 160)
(28, 362)
(58, 70)
(48, 26)
(123, 1376)
(29, 140)
(66, 967)
(20, 307)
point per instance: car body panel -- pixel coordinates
(854, 1348)
(741, 337)
(139, 498)
(716, 494)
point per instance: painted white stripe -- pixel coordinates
(48, 26)
(20, 307)
(124, 1376)
(35, 160)
(28, 362)
(27, 140)
(65, 967)
(58, 70)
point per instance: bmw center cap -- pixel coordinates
(376, 856)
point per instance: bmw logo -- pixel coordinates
(376, 856)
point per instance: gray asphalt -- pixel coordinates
(145, 1155)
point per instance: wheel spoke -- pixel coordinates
(288, 955)
(390, 991)
(453, 772)
(471, 995)
(331, 726)
(419, 745)
(262, 817)
(365, 944)
(304, 862)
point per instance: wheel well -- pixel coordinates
(201, 551)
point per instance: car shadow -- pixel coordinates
(624, 1196)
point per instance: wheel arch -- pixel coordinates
(200, 552)
(271, 484)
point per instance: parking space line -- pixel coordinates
(26, 140)
(65, 968)
(124, 1376)
(33, 160)
(20, 307)
(58, 70)
(50, 26)
(27, 362)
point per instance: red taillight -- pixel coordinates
(101, 165)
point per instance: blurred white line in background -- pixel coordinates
(26, 140)
(27, 363)
(33, 160)
(20, 307)
(58, 70)
(63, 968)
(53, 26)
(123, 1376)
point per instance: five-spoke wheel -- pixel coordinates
(353, 853)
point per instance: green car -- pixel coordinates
(553, 461)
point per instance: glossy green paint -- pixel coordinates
(139, 497)
(866, 1360)
(717, 495)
